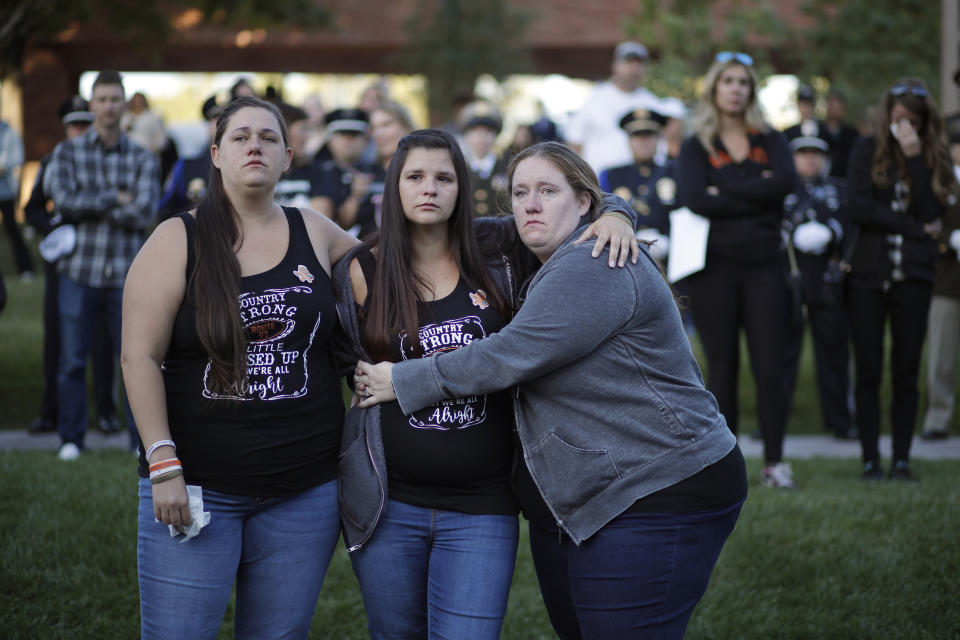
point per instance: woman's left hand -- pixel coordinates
(620, 235)
(374, 383)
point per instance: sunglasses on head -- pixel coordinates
(903, 89)
(743, 58)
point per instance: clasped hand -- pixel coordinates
(373, 383)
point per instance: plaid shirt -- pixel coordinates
(83, 179)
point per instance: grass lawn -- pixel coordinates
(838, 559)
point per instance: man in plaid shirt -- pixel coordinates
(108, 187)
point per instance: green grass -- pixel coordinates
(836, 559)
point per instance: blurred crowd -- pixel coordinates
(817, 225)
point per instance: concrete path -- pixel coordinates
(805, 446)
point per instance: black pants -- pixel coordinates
(104, 366)
(906, 304)
(20, 253)
(829, 328)
(724, 297)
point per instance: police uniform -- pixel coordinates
(840, 141)
(336, 180)
(488, 175)
(818, 288)
(649, 187)
(187, 183)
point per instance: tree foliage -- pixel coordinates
(862, 46)
(453, 42)
(144, 24)
(684, 36)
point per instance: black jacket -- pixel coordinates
(887, 224)
(746, 215)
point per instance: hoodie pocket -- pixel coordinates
(570, 476)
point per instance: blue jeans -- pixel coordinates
(640, 576)
(276, 550)
(80, 307)
(437, 574)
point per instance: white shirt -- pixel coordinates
(596, 127)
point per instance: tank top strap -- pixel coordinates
(299, 238)
(190, 224)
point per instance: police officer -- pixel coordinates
(814, 216)
(838, 135)
(480, 123)
(346, 133)
(648, 186)
(187, 183)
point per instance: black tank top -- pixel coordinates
(455, 455)
(281, 436)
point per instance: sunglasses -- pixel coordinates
(726, 56)
(898, 90)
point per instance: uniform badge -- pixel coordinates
(479, 299)
(623, 192)
(641, 207)
(480, 194)
(666, 189)
(809, 128)
(303, 274)
(645, 171)
(196, 189)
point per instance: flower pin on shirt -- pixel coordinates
(479, 299)
(303, 274)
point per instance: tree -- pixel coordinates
(684, 36)
(453, 42)
(144, 24)
(863, 46)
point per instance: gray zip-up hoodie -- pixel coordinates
(610, 403)
(362, 469)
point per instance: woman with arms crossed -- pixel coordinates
(228, 313)
(736, 171)
(435, 555)
(632, 481)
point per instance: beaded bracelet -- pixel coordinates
(156, 445)
(169, 475)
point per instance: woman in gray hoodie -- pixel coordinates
(632, 481)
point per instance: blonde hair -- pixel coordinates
(706, 119)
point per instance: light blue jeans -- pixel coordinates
(437, 574)
(276, 550)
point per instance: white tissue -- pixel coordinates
(200, 517)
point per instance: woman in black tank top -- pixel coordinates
(450, 520)
(228, 316)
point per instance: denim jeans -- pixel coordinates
(80, 306)
(640, 576)
(437, 574)
(276, 550)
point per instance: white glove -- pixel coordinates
(661, 244)
(812, 237)
(955, 242)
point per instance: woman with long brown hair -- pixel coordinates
(228, 313)
(900, 179)
(426, 500)
(736, 171)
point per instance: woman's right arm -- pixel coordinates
(152, 294)
(864, 208)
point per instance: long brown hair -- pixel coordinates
(889, 163)
(394, 297)
(215, 282)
